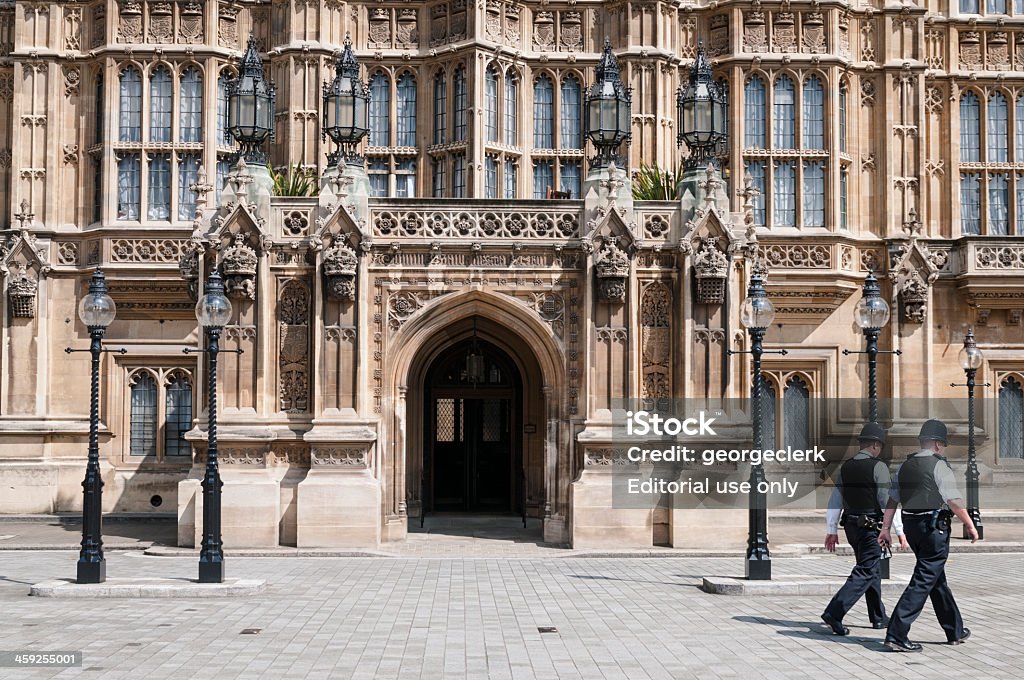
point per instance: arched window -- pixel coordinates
(160, 105)
(969, 6)
(130, 105)
(491, 103)
(571, 109)
(406, 110)
(129, 186)
(380, 110)
(461, 104)
(440, 108)
(842, 117)
(178, 415)
(970, 203)
(190, 106)
(784, 114)
(814, 194)
(159, 199)
(1019, 118)
(970, 128)
(511, 108)
(143, 415)
(1011, 419)
(814, 114)
(543, 113)
(997, 132)
(796, 414)
(98, 110)
(754, 114)
(223, 136)
(768, 416)
(998, 203)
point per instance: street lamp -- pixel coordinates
(701, 111)
(346, 107)
(608, 104)
(97, 311)
(970, 360)
(872, 314)
(251, 102)
(213, 311)
(756, 314)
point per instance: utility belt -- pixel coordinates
(939, 519)
(863, 520)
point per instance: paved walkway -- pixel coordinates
(369, 618)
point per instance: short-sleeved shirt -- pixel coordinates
(883, 483)
(944, 479)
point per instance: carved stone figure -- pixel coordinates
(612, 267)
(238, 265)
(340, 264)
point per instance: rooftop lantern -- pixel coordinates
(701, 110)
(346, 107)
(251, 106)
(608, 107)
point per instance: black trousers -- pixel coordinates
(931, 547)
(866, 577)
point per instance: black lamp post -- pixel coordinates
(701, 113)
(872, 314)
(97, 311)
(970, 360)
(346, 107)
(756, 314)
(608, 103)
(213, 311)
(251, 102)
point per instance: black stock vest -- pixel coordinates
(860, 494)
(918, 490)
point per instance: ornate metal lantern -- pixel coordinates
(251, 102)
(340, 264)
(701, 111)
(346, 117)
(608, 104)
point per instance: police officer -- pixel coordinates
(861, 492)
(926, 487)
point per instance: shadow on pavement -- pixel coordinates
(816, 629)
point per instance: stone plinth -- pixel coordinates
(706, 529)
(147, 587)
(596, 523)
(250, 509)
(792, 585)
(338, 509)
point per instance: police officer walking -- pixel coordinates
(861, 492)
(926, 487)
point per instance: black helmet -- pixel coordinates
(934, 430)
(872, 432)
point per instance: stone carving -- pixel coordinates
(492, 21)
(22, 287)
(72, 78)
(867, 92)
(147, 249)
(711, 268)
(161, 29)
(296, 223)
(129, 26)
(512, 31)
(238, 266)
(718, 35)
(67, 253)
(935, 44)
(406, 34)
(438, 24)
(543, 31)
(914, 295)
(72, 28)
(293, 318)
(999, 257)
(656, 346)
(227, 25)
(340, 266)
(99, 24)
(933, 100)
(188, 268)
(656, 226)
(400, 307)
(813, 32)
(570, 33)
(341, 457)
(797, 256)
(755, 34)
(606, 458)
(912, 271)
(1018, 51)
(867, 40)
(784, 32)
(844, 35)
(488, 225)
(457, 26)
(970, 50)
(190, 29)
(998, 58)
(612, 268)
(380, 27)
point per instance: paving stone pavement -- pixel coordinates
(440, 618)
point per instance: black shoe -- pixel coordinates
(879, 625)
(837, 627)
(962, 639)
(897, 646)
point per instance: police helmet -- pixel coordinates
(934, 430)
(872, 432)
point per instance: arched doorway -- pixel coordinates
(473, 408)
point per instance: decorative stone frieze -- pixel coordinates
(342, 457)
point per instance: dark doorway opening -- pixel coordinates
(472, 449)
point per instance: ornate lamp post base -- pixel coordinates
(211, 569)
(92, 572)
(759, 569)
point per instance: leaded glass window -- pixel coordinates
(459, 176)
(814, 114)
(380, 110)
(461, 103)
(768, 415)
(814, 194)
(796, 419)
(571, 109)
(178, 415)
(438, 177)
(405, 178)
(223, 136)
(997, 132)
(143, 415)
(511, 109)
(490, 177)
(842, 117)
(159, 199)
(190, 121)
(543, 177)
(844, 197)
(543, 114)
(970, 203)
(784, 195)
(756, 170)
(970, 128)
(130, 105)
(569, 178)
(377, 172)
(1011, 419)
(160, 97)
(784, 114)
(406, 110)
(998, 203)
(188, 175)
(754, 114)
(129, 187)
(440, 109)
(511, 178)
(491, 104)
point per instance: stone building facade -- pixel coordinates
(863, 136)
